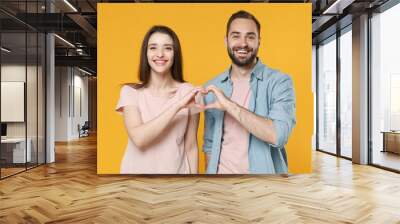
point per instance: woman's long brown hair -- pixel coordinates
(144, 67)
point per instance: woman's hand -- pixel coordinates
(189, 100)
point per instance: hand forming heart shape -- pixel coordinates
(194, 99)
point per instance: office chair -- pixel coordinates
(84, 130)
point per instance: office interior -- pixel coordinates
(48, 80)
(354, 67)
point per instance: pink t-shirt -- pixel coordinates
(234, 157)
(167, 155)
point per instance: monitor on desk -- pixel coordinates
(3, 130)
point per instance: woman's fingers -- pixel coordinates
(190, 98)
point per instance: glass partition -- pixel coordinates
(22, 88)
(327, 96)
(346, 93)
(385, 89)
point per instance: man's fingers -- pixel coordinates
(214, 89)
(211, 88)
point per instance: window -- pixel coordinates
(346, 93)
(327, 96)
(385, 88)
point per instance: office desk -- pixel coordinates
(391, 141)
(15, 148)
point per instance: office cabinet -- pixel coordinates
(391, 142)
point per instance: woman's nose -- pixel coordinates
(160, 53)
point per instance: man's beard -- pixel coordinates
(242, 63)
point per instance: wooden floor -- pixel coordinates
(70, 191)
(5, 172)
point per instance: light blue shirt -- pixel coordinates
(273, 98)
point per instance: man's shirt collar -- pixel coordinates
(257, 72)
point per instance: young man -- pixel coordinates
(250, 108)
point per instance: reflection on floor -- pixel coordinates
(346, 152)
(11, 169)
(387, 159)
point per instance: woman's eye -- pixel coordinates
(169, 48)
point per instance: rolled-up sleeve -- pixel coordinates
(283, 110)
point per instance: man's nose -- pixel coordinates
(243, 42)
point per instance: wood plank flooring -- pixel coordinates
(70, 191)
(10, 171)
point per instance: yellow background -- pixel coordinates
(285, 45)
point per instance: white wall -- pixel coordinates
(62, 78)
(71, 94)
(16, 73)
(81, 100)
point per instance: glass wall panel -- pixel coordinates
(22, 88)
(346, 94)
(13, 95)
(385, 88)
(32, 95)
(327, 96)
(32, 86)
(41, 97)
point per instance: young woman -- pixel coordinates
(159, 112)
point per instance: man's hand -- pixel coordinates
(221, 101)
(257, 125)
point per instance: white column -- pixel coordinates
(50, 92)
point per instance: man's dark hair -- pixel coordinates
(242, 15)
